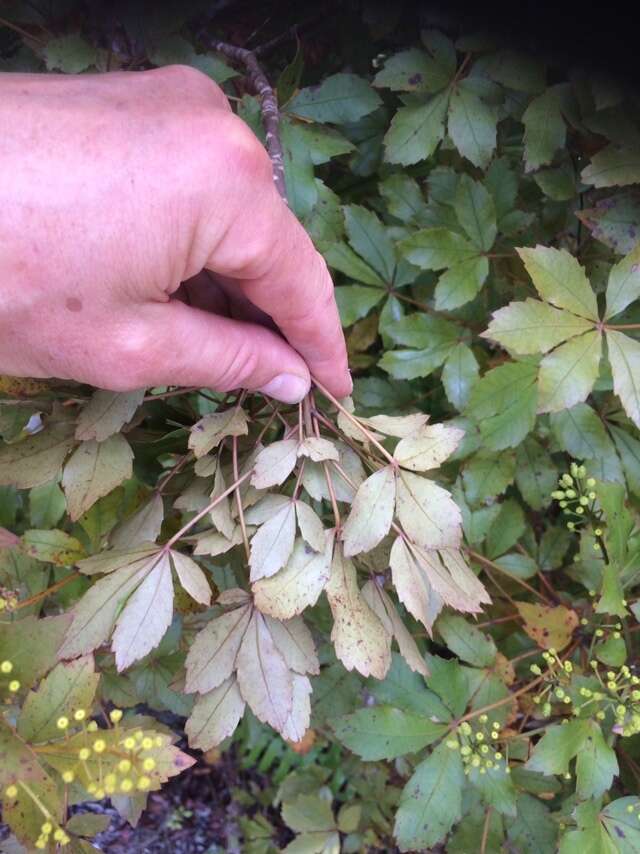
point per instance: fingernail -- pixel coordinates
(287, 388)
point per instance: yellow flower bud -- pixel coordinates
(147, 743)
(6, 666)
(79, 715)
(59, 835)
(91, 788)
(46, 828)
(92, 726)
(124, 766)
(591, 481)
(41, 843)
(159, 741)
(14, 686)
(149, 763)
(68, 776)
(62, 722)
(11, 791)
(143, 783)
(126, 785)
(115, 715)
(129, 743)
(99, 745)
(84, 753)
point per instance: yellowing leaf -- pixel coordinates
(315, 481)
(192, 578)
(274, 464)
(214, 543)
(207, 433)
(567, 374)
(93, 470)
(413, 586)
(559, 279)
(146, 616)
(36, 460)
(427, 512)
(299, 584)
(263, 676)
(548, 627)
(53, 547)
(311, 527)
(318, 449)
(212, 656)
(428, 448)
(221, 513)
(359, 638)
(272, 544)
(215, 715)
(382, 606)
(624, 355)
(106, 413)
(623, 286)
(399, 426)
(371, 513)
(114, 559)
(141, 527)
(298, 719)
(295, 643)
(533, 326)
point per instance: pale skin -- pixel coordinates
(143, 243)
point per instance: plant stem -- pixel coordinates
(234, 454)
(485, 560)
(25, 603)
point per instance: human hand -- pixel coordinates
(118, 191)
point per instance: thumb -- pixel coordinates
(189, 347)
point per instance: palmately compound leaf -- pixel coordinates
(429, 447)
(93, 470)
(533, 327)
(427, 512)
(272, 544)
(386, 733)
(207, 433)
(274, 464)
(215, 715)
(359, 638)
(624, 356)
(623, 286)
(431, 802)
(568, 373)
(299, 584)
(560, 280)
(106, 413)
(212, 656)
(381, 604)
(371, 513)
(146, 616)
(503, 404)
(263, 676)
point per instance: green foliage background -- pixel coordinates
(478, 210)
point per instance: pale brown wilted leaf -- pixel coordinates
(381, 604)
(294, 641)
(207, 433)
(318, 449)
(427, 512)
(264, 679)
(413, 586)
(146, 616)
(212, 657)
(371, 513)
(196, 496)
(359, 638)
(221, 513)
(274, 464)
(272, 544)
(299, 717)
(114, 559)
(428, 448)
(214, 543)
(142, 527)
(314, 479)
(93, 470)
(266, 508)
(399, 426)
(215, 715)
(311, 527)
(106, 413)
(36, 460)
(299, 584)
(192, 578)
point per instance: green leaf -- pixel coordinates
(613, 167)
(459, 375)
(503, 404)
(370, 240)
(536, 473)
(173, 49)
(487, 475)
(415, 132)
(567, 375)
(70, 54)
(466, 641)
(496, 788)
(431, 802)
(615, 221)
(412, 70)
(308, 813)
(622, 824)
(476, 212)
(434, 336)
(532, 831)
(461, 283)
(450, 682)
(339, 99)
(624, 356)
(46, 505)
(506, 529)
(623, 286)
(52, 546)
(628, 448)
(94, 470)
(559, 279)
(371, 512)
(386, 733)
(406, 690)
(437, 248)
(559, 183)
(31, 644)
(544, 127)
(533, 327)
(341, 257)
(403, 197)
(472, 125)
(69, 687)
(596, 765)
(558, 746)
(514, 69)
(37, 459)
(580, 432)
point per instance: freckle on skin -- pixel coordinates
(73, 304)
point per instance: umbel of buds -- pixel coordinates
(577, 498)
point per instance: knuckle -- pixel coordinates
(241, 363)
(244, 151)
(186, 80)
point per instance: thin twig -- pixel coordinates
(245, 539)
(32, 600)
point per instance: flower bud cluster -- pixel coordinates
(8, 681)
(619, 695)
(556, 682)
(49, 829)
(478, 746)
(577, 497)
(8, 599)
